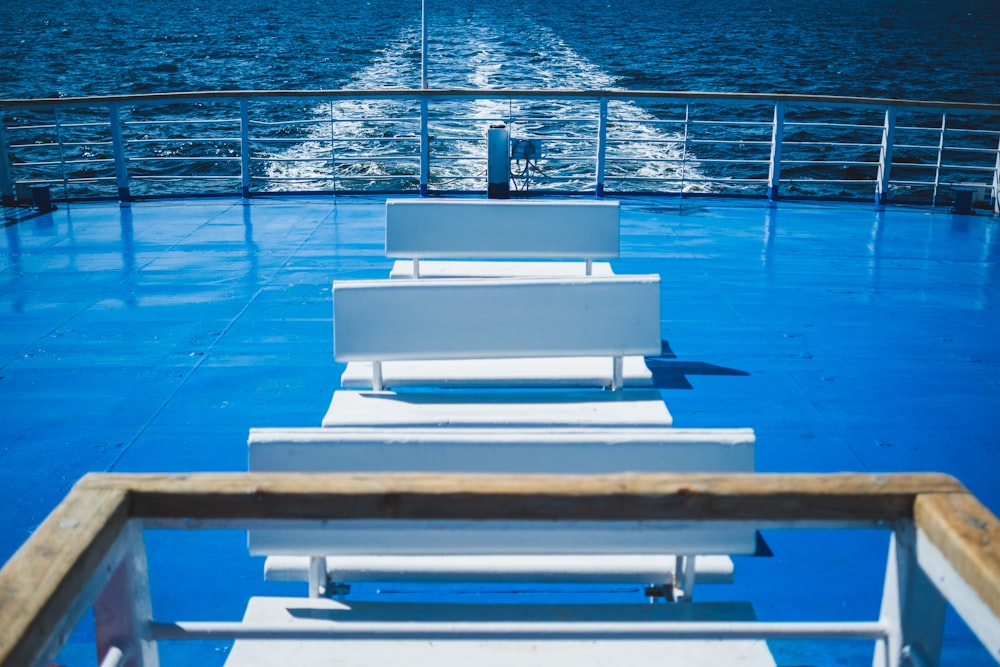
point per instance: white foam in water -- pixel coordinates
(472, 54)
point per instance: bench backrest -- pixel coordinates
(571, 451)
(499, 229)
(556, 450)
(383, 320)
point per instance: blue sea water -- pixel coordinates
(917, 49)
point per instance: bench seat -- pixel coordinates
(563, 568)
(456, 650)
(548, 409)
(544, 550)
(521, 332)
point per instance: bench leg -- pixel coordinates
(618, 373)
(317, 576)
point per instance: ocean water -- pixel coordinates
(911, 49)
(918, 49)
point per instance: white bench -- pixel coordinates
(525, 637)
(491, 551)
(523, 332)
(541, 409)
(492, 232)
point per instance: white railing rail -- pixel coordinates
(427, 141)
(90, 550)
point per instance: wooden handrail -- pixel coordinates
(41, 582)
(637, 496)
(968, 535)
(40, 585)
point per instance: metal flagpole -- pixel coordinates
(425, 144)
(423, 44)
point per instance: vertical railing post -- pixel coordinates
(777, 135)
(940, 157)
(333, 145)
(684, 151)
(912, 608)
(996, 183)
(6, 178)
(425, 147)
(62, 153)
(885, 157)
(118, 149)
(602, 146)
(245, 147)
(123, 611)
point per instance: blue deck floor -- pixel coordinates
(152, 338)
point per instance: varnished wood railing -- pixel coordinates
(86, 551)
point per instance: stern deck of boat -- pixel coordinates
(152, 337)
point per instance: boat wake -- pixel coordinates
(372, 144)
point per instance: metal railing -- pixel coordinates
(434, 141)
(90, 551)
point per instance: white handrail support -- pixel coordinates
(390, 149)
(912, 608)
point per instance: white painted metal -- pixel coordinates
(423, 44)
(885, 157)
(565, 568)
(996, 183)
(498, 269)
(119, 552)
(499, 229)
(493, 318)
(245, 146)
(686, 569)
(774, 168)
(118, 150)
(940, 156)
(113, 658)
(912, 608)
(969, 605)
(311, 616)
(617, 373)
(25, 164)
(456, 538)
(316, 576)
(500, 449)
(495, 449)
(377, 381)
(6, 180)
(425, 147)
(539, 372)
(602, 145)
(513, 630)
(549, 409)
(123, 609)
